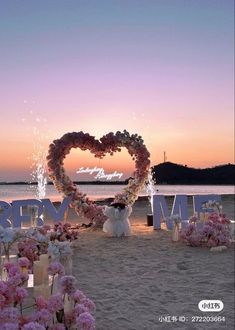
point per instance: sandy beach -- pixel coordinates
(134, 281)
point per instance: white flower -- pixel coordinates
(53, 250)
(59, 249)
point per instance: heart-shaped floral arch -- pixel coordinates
(108, 144)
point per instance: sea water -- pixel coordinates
(19, 191)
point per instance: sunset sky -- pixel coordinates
(159, 68)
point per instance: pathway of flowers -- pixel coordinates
(62, 306)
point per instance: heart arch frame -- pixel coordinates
(108, 144)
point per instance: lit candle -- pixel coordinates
(30, 281)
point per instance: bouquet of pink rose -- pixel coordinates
(37, 240)
(64, 232)
(213, 232)
(67, 309)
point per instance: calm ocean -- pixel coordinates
(13, 192)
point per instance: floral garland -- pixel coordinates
(108, 144)
(66, 308)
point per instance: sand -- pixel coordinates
(136, 280)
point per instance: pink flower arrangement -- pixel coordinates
(63, 232)
(48, 313)
(11, 291)
(213, 232)
(38, 240)
(29, 249)
(108, 144)
(44, 229)
(14, 274)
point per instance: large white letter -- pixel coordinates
(18, 217)
(159, 208)
(198, 200)
(180, 207)
(5, 214)
(57, 215)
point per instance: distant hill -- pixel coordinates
(170, 173)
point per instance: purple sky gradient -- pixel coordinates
(163, 69)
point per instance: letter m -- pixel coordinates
(160, 209)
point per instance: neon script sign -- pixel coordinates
(100, 173)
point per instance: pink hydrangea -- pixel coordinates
(55, 303)
(78, 296)
(9, 314)
(85, 321)
(43, 316)
(6, 293)
(79, 309)
(89, 304)
(13, 270)
(67, 284)
(40, 302)
(24, 262)
(56, 268)
(17, 279)
(8, 265)
(20, 295)
(33, 326)
(3, 287)
(29, 249)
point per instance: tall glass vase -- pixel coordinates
(67, 262)
(175, 232)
